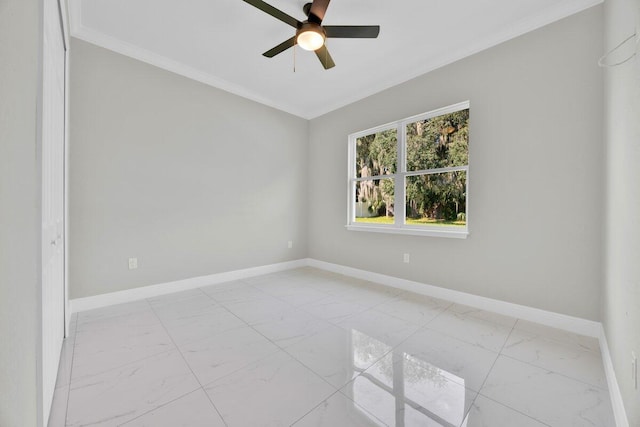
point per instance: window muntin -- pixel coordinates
(428, 171)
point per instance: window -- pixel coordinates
(422, 162)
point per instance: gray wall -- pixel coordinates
(621, 314)
(19, 212)
(536, 180)
(189, 179)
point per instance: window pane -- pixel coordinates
(374, 201)
(438, 142)
(437, 200)
(377, 154)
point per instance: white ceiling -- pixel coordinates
(220, 42)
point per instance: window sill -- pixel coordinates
(448, 233)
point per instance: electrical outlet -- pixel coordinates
(133, 263)
(406, 258)
(290, 244)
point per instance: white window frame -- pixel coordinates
(399, 226)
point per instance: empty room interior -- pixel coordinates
(345, 213)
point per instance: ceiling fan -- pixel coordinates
(311, 34)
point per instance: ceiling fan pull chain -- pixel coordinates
(294, 57)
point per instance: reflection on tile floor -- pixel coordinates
(311, 348)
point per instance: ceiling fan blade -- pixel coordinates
(325, 58)
(276, 13)
(352, 31)
(280, 48)
(318, 9)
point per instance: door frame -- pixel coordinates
(63, 12)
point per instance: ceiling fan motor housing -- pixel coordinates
(306, 9)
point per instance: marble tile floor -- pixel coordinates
(310, 348)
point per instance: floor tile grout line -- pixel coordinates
(159, 407)
(556, 373)
(321, 376)
(294, 307)
(540, 367)
(397, 317)
(235, 371)
(126, 364)
(314, 408)
(477, 393)
(421, 325)
(246, 324)
(491, 369)
(243, 367)
(206, 294)
(110, 318)
(373, 307)
(596, 351)
(188, 365)
(397, 346)
(498, 354)
(466, 316)
(418, 327)
(360, 406)
(513, 409)
(324, 328)
(280, 349)
(426, 326)
(391, 350)
(439, 314)
(366, 307)
(123, 364)
(283, 349)
(224, 376)
(338, 389)
(579, 348)
(301, 305)
(457, 339)
(329, 397)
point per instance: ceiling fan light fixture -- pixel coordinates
(310, 37)
(311, 34)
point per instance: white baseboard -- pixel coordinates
(548, 318)
(614, 390)
(104, 300)
(556, 320)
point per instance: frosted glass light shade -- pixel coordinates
(310, 40)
